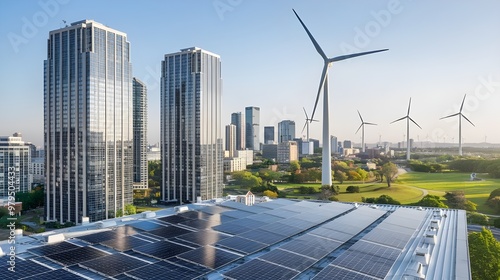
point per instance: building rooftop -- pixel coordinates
(279, 239)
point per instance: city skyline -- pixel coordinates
(436, 61)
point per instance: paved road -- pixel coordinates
(477, 228)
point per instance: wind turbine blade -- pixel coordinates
(370, 123)
(347, 56)
(307, 118)
(450, 116)
(305, 124)
(467, 119)
(314, 120)
(316, 45)
(321, 83)
(415, 122)
(360, 116)
(462, 106)
(400, 119)
(359, 128)
(409, 104)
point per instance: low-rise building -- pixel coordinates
(287, 152)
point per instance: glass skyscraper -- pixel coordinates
(268, 134)
(140, 101)
(15, 161)
(239, 122)
(286, 131)
(88, 130)
(191, 136)
(252, 126)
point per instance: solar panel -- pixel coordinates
(331, 234)
(169, 232)
(145, 225)
(100, 237)
(75, 256)
(52, 249)
(126, 230)
(264, 218)
(242, 245)
(221, 218)
(194, 215)
(257, 269)
(263, 236)
(187, 264)
(200, 224)
(214, 209)
(334, 272)
(123, 276)
(209, 257)
(174, 219)
(283, 229)
(22, 269)
(241, 206)
(163, 270)
(115, 264)
(236, 214)
(54, 275)
(282, 213)
(162, 249)
(249, 223)
(231, 228)
(288, 259)
(203, 237)
(389, 238)
(311, 246)
(125, 243)
(297, 223)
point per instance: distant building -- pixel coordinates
(15, 165)
(268, 134)
(247, 154)
(38, 170)
(270, 151)
(334, 144)
(287, 152)
(252, 128)
(235, 164)
(247, 199)
(140, 100)
(231, 140)
(238, 120)
(315, 143)
(153, 153)
(286, 131)
(347, 144)
(307, 148)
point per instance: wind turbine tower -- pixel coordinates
(408, 119)
(306, 124)
(362, 127)
(326, 174)
(460, 115)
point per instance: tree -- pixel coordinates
(383, 199)
(340, 176)
(484, 255)
(457, 200)
(431, 201)
(130, 209)
(246, 179)
(389, 170)
(352, 189)
(494, 193)
(477, 219)
(362, 174)
(294, 166)
(353, 176)
(270, 194)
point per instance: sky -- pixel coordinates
(438, 51)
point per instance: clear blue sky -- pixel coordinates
(439, 50)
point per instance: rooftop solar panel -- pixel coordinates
(125, 243)
(283, 213)
(22, 269)
(162, 250)
(169, 232)
(297, 223)
(231, 228)
(238, 214)
(145, 225)
(265, 218)
(53, 248)
(126, 230)
(124, 276)
(331, 234)
(311, 246)
(334, 272)
(263, 236)
(188, 264)
(221, 218)
(174, 219)
(194, 215)
(241, 206)
(204, 237)
(257, 269)
(214, 209)
(389, 238)
(100, 237)
(75, 256)
(241, 245)
(287, 259)
(200, 224)
(163, 270)
(59, 274)
(249, 223)
(115, 264)
(283, 229)
(209, 256)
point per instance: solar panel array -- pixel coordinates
(283, 238)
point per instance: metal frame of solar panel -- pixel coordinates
(169, 231)
(162, 249)
(258, 269)
(210, 257)
(146, 225)
(99, 237)
(263, 236)
(242, 245)
(78, 255)
(368, 258)
(311, 245)
(53, 275)
(164, 270)
(22, 268)
(288, 259)
(53, 248)
(203, 237)
(115, 264)
(335, 272)
(125, 243)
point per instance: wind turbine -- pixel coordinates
(408, 119)
(460, 115)
(308, 120)
(326, 174)
(363, 123)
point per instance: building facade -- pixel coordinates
(88, 129)
(191, 136)
(287, 152)
(334, 144)
(15, 165)
(252, 126)
(238, 120)
(140, 120)
(270, 151)
(286, 131)
(268, 134)
(231, 139)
